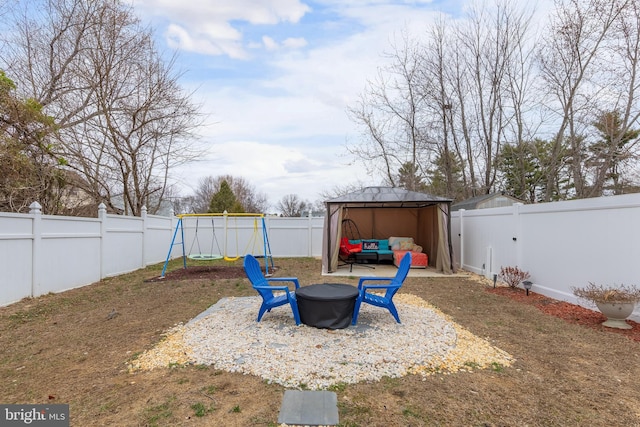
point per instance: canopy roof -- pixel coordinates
(388, 196)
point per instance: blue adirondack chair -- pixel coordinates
(391, 284)
(262, 285)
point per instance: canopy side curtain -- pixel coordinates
(330, 242)
(445, 256)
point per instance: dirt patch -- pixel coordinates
(74, 348)
(206, 272)
(201, 272)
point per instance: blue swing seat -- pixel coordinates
(262, 285)
(392, 286)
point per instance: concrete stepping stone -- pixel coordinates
(309, 408)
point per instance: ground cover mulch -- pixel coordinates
(566, 311)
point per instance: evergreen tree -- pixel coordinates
(611, 151)
(28, 170)
(524, 167)
(521, 170)
(438, 179)
(409, 179)
(225, 200)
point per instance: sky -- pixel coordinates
(275, 79)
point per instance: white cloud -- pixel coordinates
(300, 166)
(251, 11)
(294, 42)
(269, 43)
(208, 27)
(180, 39)
(336, 72)
(289, 43)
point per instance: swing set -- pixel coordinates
(205, 245)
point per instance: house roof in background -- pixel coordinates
(473, 202)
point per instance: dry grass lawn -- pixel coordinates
(74, 348)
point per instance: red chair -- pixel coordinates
(348, 252)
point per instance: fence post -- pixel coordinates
(102, 216)
(517, 233)
(35, 209)
(310, 235)
(225, 249)
(143, 215)
(461, 219)
(488, 262)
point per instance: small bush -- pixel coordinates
(607, 293)
(513, 276)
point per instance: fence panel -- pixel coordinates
(295, 236)
(316, 236)
(68, 255)
(123, 249)
(569, 244)
(157, 236)
(488, 240)
(16, 261)
(561, 244)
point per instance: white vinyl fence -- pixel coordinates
(46, 253)
(561, 244)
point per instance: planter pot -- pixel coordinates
(616, 313)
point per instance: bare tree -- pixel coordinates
(618, 114)
(439, 88)
(390, 113)
(124, 120)
(491, 41)
(568, 64)
(449, 105)
(207, 187)
(450, 102)
(292, 205)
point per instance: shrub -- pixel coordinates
(608, 293)
(513, 276)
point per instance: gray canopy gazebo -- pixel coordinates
(381, 212)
